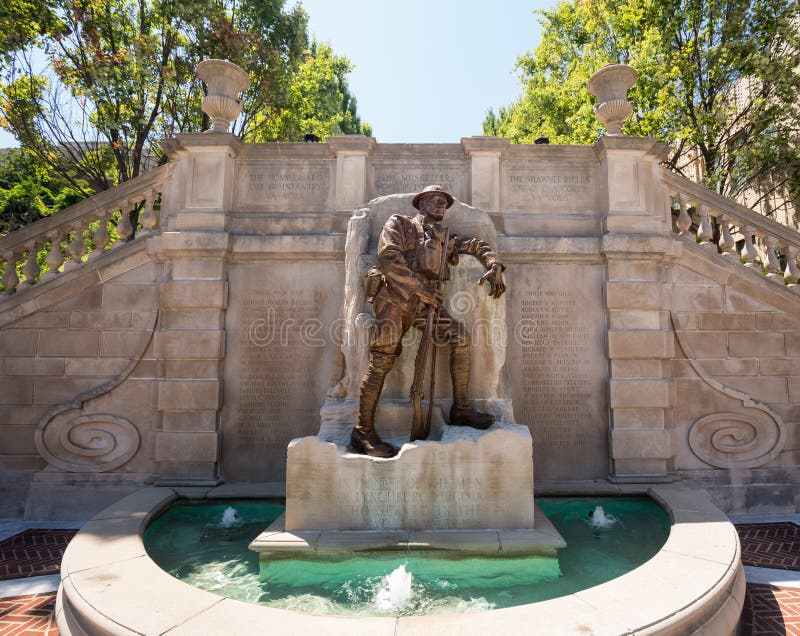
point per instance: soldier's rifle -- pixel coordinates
(420, 429)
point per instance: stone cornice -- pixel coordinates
(187, 141)
(645, 146)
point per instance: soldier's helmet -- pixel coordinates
(432, 189)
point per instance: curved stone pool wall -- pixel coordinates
(694, 584)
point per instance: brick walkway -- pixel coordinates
(30, 615)
(24, 556)
(33, 553)
(768, 609)
(770, 545)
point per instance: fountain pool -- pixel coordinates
(197, 543)
(693, 583)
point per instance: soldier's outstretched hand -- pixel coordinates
(494, 278)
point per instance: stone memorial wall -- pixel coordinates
(558, 368)
(629, 345)
(278, 367)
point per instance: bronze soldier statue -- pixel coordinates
(404, 289)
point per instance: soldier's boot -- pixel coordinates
(364, 439)
(462, 413)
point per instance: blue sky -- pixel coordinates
(428, 71)
(425, 71)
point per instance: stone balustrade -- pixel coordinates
(720, 225)
(81, 232)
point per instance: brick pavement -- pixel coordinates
(770, 610)
(30, 615)
(33, 553)
(770, 545)
(28, 554)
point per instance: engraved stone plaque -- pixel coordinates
(284, 186)
(278, 365)
(548, 189)
(558, 368)
(393, 179)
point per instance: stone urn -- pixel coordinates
(610, 85)
(225, 81)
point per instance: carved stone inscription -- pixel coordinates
(277, 371)
(397, 179)
(553, 190)
(559, 372)
(415, 500)
(466, 480)
(274, 362)
(284, 188)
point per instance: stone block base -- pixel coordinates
(757, 491)
(60, 496)
(276, 543)
(14, 488)
(468, 480)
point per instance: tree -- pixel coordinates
(717, 78)
(89, 89)
(319, 102)
(97, 83)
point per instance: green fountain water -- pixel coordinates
(205, 544)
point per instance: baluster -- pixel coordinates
(749, 252)
(31, 268)
(792, 273)
(148, 217)
(771, 261)
(705, 232)
(76, 249)
(101, 238)
(684, 221)
(727, 245)
(124, 228)
(10, 279)
(54, 258)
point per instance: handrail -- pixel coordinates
(715, 201)
(69, 234)
(766, 245)
(101, 201)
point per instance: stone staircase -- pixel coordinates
(721, 223)
(80, 234)
(746, 352)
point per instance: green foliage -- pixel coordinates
(23, 203)
(22, 21)
(29, 192)
(90, 86)
(718, 79)
(319, 102)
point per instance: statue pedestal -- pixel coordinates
(468, 480)
(470, 491)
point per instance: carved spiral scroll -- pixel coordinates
(746, 439)
(731, 440)
(96, 442)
